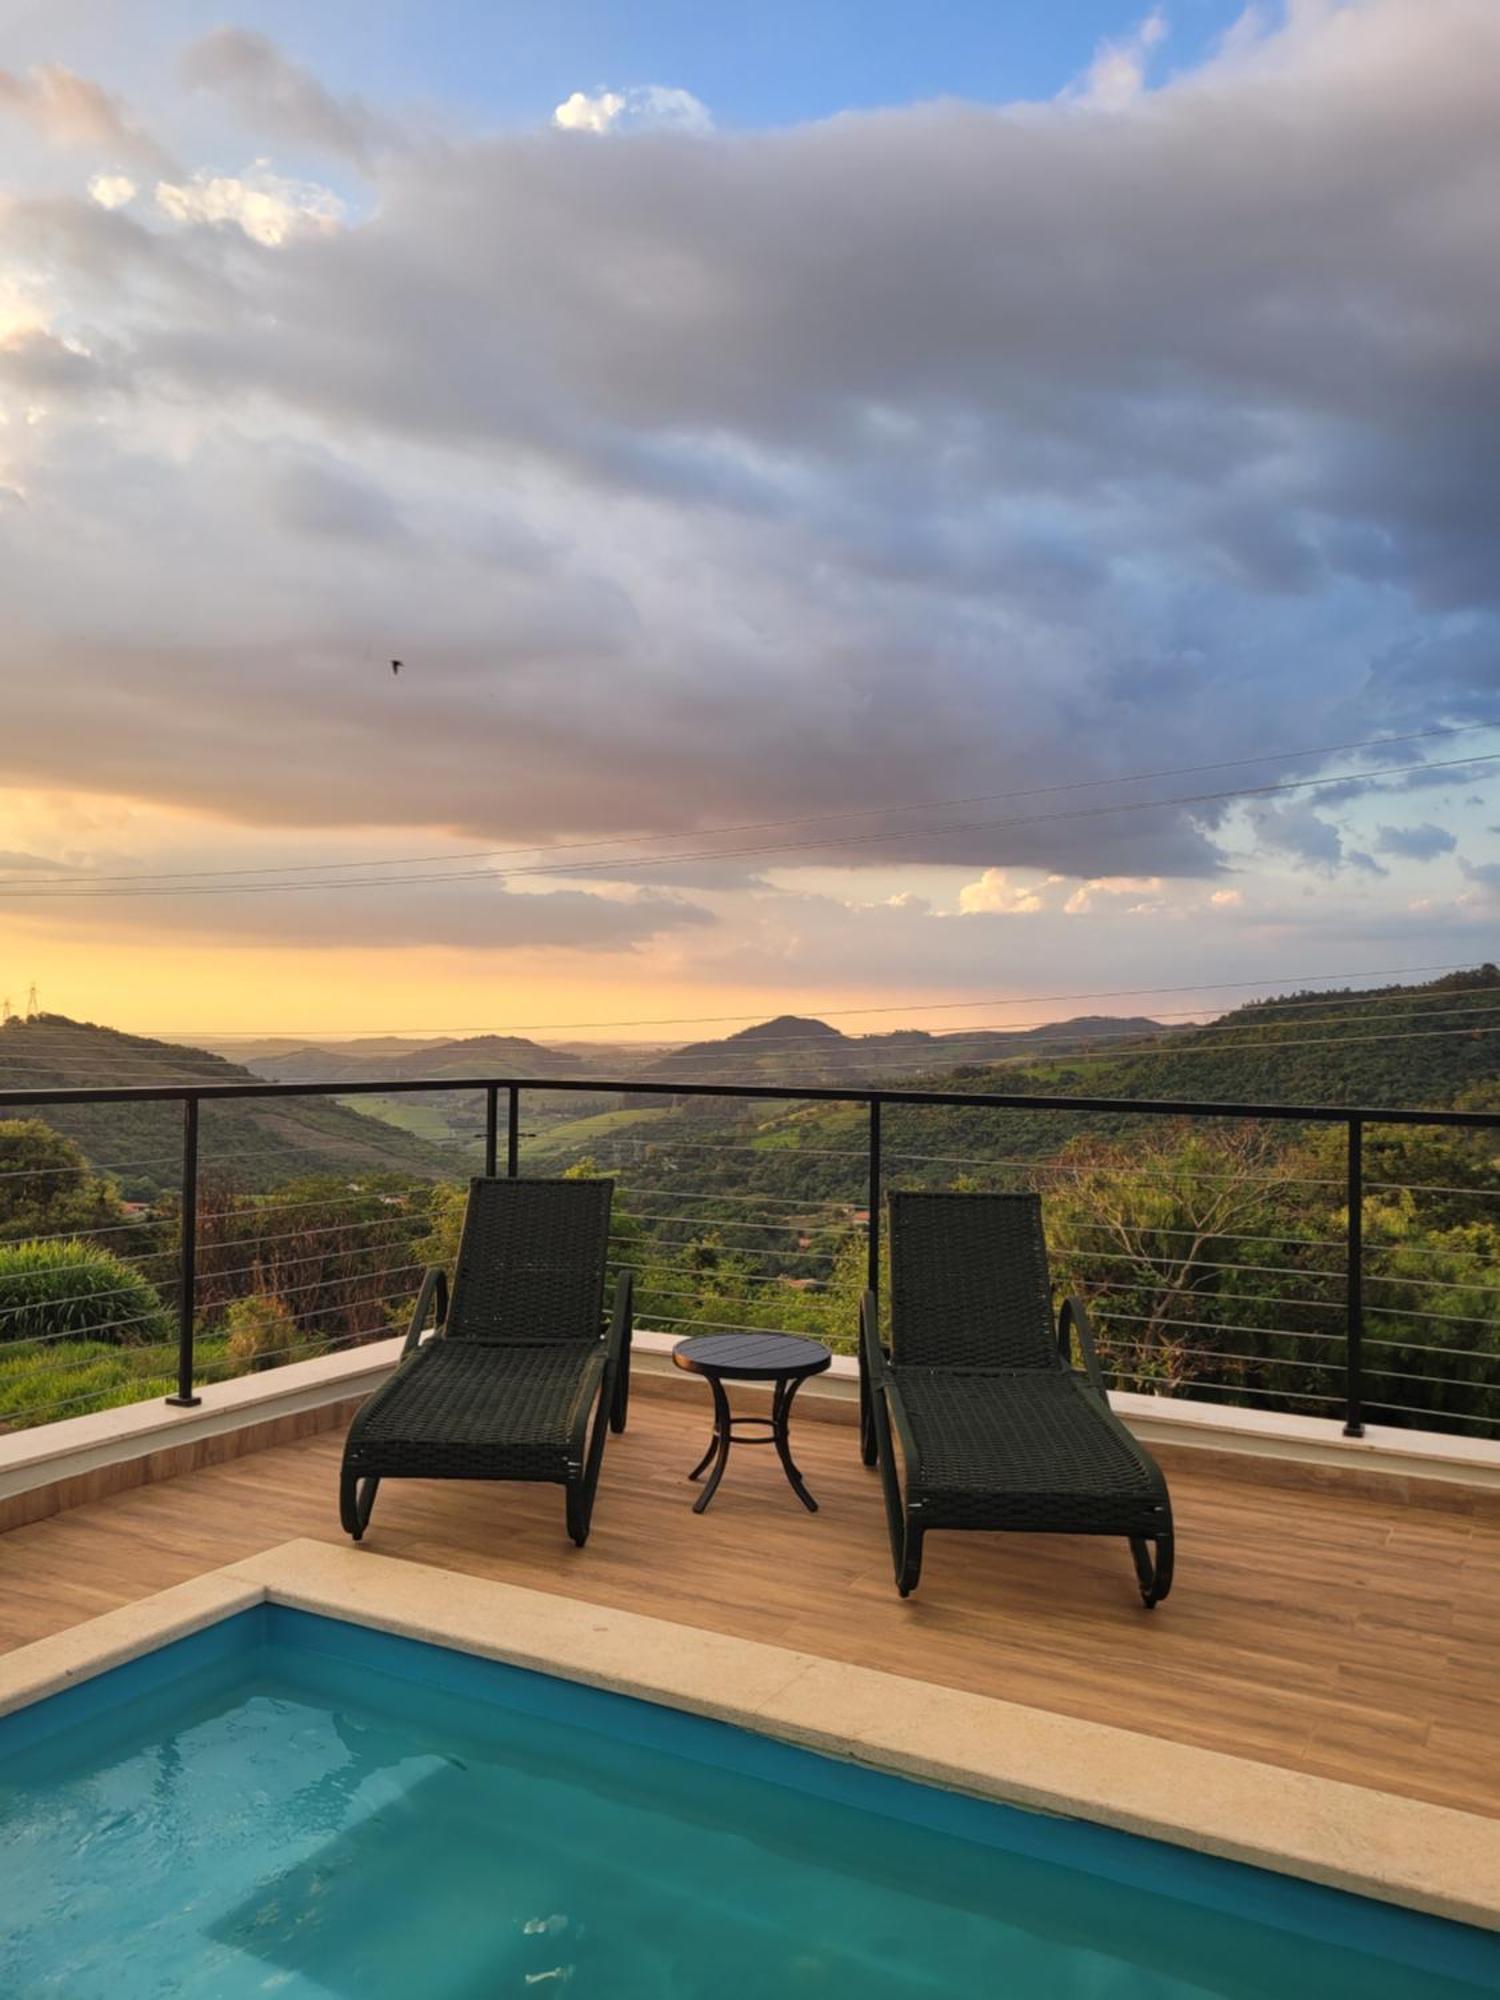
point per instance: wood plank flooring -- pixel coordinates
(1335, 1633)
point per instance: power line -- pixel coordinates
(592, 869)
(1298, 981)
(760, 826)
(710, 1068)
(1043, 1041)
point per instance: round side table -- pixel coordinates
(781, 1358)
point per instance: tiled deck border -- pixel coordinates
(56, 1466)
(1397, 1850)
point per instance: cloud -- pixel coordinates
(960, 451)
(112, 190)
(650, 107)
(481, 915)
(1117, 75)
(75, 113)
(268, 207)
(1415, 843)
(994, 894)
(280, 99)
(1085, 898)
(44, 368)
(1296, 828)
(1227, 899)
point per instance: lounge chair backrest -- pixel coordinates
(531, 1263)
(969, 1282)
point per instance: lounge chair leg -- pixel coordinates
(1155, 1578)
(869, 1446)
(579, 1512)
(356, 1498)
(582, 1488)
(905, 1534)
(621, 1403)
(909, 1568)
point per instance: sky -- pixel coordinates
(986, 512)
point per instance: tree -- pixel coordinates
(47, 1187)
(1207, 1255)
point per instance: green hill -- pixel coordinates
(793, 1049)
(1430, 1045)
(261, 1142)
(1394, 1045)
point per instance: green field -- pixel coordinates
(571, 1139)
(420, 1115)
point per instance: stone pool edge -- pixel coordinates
(1425, 1857)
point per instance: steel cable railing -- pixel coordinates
(792, 1233)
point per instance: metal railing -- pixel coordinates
(1351, 1278)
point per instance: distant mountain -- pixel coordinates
(788, 1048)
(262, 1142)
(255, 1049)
(476, 1055)
(801, 1049)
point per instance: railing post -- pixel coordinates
(1354, 1286)
(872, 1275)
(872, 1282)
(491, 1129)
(513, 1132)
(188, 1257)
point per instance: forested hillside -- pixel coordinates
(262, 1142)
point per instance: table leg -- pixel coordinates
(781, 1411)
(719, 1449)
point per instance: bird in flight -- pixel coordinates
(395, 666)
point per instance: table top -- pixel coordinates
(752, 1357)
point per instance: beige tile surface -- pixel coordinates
(1406, 1851)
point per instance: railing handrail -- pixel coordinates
(1354, 1118)
(994, 1100)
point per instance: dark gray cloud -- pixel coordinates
(1416, 843)
(478, 915)
(912, 455)
(279, 99)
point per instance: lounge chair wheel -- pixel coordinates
(1155, 1578)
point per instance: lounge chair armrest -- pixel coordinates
(618, 1336)
(434, 1288)
(1073, 1319)
(881, 1382)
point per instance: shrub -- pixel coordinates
(262, 1332)
(74, 1289)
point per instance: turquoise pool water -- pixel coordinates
(290, 1806)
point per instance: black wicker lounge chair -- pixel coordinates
(997, 1429)
(519, 1360)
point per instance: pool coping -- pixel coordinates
(1393, 1849)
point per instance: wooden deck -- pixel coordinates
(1314, 1628)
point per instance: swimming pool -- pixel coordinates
(294, 1805)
